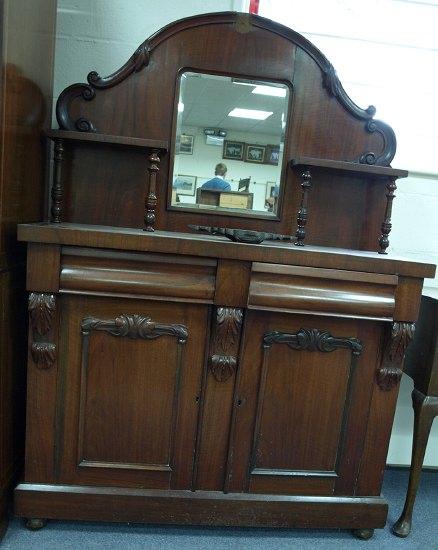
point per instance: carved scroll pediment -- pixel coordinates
(242, 23)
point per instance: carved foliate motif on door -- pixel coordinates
(134, 326)
(312, 340)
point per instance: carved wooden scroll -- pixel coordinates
(151, 199)
(134, 326)
(57, 187)
(312, 340)
(386, 224)
(306, 184)
(390, 372)
(42, 311)
(225, 342)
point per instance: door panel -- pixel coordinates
(291, 404)
(129, 392)
(303, 392)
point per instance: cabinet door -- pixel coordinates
(302, 402)
(130, 376)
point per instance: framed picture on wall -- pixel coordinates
(272, 155)
(185, 145)
(255, 153)
(271, 199)
(233, 150)
(271, 189)
(184, 185)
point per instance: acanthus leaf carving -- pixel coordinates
(43, 354)
(41, 310)
(223, 367)
(228, 325)
(390, 373)
(312, 340)
(134, 326)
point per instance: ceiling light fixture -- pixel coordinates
(250, 113)
(270, 90)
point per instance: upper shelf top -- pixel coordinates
(350, 167)
(108, 139)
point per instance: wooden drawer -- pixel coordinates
(322, 291)
(91, 271)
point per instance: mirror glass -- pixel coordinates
(229, 142)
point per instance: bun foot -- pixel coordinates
(402, 528)
(363, 534)
(35, 524)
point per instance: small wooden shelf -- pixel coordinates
(349, 167)
(108, 139)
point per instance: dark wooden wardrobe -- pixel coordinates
(27, 47)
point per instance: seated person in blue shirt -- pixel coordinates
(218, 182)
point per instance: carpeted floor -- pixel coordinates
(86, 535)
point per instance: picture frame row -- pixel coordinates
(186, 185)
(247, 152)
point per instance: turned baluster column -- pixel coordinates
(387, 225)
(306, 184)
(151, 199)
(57, 193)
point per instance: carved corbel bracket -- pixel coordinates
(390, 372)
(42, 311)
(225, 342)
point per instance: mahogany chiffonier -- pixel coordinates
(216, 364)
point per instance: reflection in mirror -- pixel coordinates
(229, 144)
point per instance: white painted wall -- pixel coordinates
(102, 34)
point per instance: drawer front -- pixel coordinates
(106, 272)
(322, 291)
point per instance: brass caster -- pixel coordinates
(35, 524)
(363, 534)
(402, 528)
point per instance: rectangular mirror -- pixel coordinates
(228, 152)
